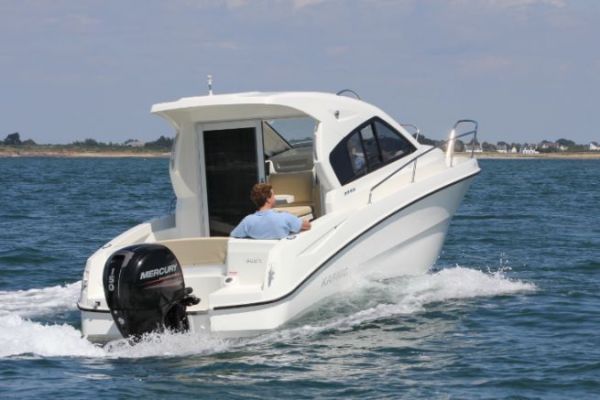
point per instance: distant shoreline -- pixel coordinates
(64, 153)
(82, 154)
(541, 156)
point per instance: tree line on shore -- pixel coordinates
(162, 143)
(545, 146)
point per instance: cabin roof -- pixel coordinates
(274, 98)
(337, 116)
(251, 105)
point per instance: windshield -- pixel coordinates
(298, 132)
(288, 143)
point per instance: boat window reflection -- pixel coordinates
(288, 143)
(298, 132)
(393, 146)
(357, 154)
(368, 148)
(371, 147)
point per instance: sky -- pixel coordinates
(527, 70)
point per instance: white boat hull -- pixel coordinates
(408, 242)
(395, 247)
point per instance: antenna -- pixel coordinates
(210, 92)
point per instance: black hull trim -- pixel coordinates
(322, 266)
(92, 309)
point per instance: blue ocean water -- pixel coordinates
(510, 310)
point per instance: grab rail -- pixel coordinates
(348, 91)
(449, 152)
(416, 131)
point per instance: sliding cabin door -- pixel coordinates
(233, 163)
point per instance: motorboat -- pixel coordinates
(379, 201)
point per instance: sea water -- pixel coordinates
(510, 310)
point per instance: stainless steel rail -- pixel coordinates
(416, 131)
(449, 153)
(348, 91)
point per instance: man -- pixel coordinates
(267, 223)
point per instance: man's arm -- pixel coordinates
(305, 225)
(294, 223)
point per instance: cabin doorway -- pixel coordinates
(234, 162)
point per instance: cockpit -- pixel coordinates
(236, 155)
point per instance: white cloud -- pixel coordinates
(236, 3)
(486, 64)
(223, 44)
(526, 3)
(507, 4)
(298, 4)
(78, 23)
(337, 50)
(230, 4)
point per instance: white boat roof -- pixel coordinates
(252, 105)
(337, 115)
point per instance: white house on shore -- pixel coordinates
(134, 143)
(546, 145)
(594, 146)
(529, 150)
(502, 148)
(474, 148)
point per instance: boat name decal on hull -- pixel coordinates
(336, 276)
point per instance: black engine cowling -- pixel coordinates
(145, 291)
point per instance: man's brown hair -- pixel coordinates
(260, 193)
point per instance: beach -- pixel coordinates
(32, 152)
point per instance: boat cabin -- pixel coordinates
(306, 145)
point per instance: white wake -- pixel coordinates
(19, 335)
(38, 302)
(23, 337)
(411, 295)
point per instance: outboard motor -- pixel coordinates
(145, 291)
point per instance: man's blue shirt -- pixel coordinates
(267, 224)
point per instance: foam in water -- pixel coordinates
(38, 302)
(166, 345)
(408, 295)
(20, 336)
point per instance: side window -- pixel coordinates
(357, 154)
(345, 158)
(369, 147)
(393, 146)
